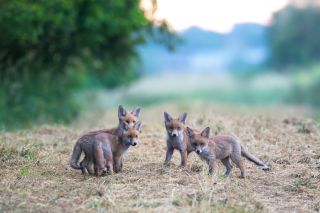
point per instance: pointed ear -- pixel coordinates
(167, 117)
(206, 132)
(124, 126)
(137, 126)
(121, 111)
(136, 112)
(190, 132)
(183, 117)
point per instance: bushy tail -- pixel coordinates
(253, 159)
(75, 156)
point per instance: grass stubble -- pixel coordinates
(35, 175)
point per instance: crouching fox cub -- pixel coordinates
(108, 149)
(85, 143)
(224, 147)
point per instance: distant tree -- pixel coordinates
(294, 35)
(49, 48)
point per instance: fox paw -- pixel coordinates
(84, 171)
(168, 164)
(104, 171)
(265, 168)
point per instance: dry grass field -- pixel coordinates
(35, 175)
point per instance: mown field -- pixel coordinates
(35, 174)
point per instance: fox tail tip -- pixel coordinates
(265, 168)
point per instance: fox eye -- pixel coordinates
(179, 128)
(134, 121)
(194, 144)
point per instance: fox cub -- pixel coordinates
(85, 143)
(177, 138)
(224, 147)
(108, 149)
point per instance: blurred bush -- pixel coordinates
(49, 49)
(294, 34)
(295, 48)
(306, 87)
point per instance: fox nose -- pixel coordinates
(198, 151)
(174, 134)
(134, 143)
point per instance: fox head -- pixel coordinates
(175, 126)
(199, 141)
(129, 134)
(128, 117)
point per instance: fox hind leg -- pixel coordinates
(86, 165)
(212, 166)
(227, 163)
(99, 160)
(237, 160)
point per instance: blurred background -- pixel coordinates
(60, 59)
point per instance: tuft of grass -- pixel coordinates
(28, 153)
(7, 153)
(25, 170)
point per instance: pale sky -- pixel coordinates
(216, 15)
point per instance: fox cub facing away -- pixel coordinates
(224, 148)
(108, 149)
(85, 143)
(177, 138)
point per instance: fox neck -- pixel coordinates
(119, 131)
(122, 143)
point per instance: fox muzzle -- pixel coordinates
(174, 133)
(133, 143)
(198, 150)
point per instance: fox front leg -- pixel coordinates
(212, 166)
(117, 164)
(110, 167)
(184, 158)
(168, 155)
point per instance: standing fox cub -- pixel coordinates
(224, 148)
(85, 142)
(108, 149)
(177, 138)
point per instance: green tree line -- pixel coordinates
(295, 48)
(294, 35)
(49, 49)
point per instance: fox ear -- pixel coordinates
(137, 126)
(183, 117)
(206, 132)
(124, 126)
(121, 111)
(136, 112)
(167, 117)
(190, 132)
